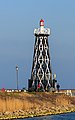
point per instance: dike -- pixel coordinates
(30, 104)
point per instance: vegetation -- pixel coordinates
(20, 105)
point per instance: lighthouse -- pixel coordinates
(41, 73)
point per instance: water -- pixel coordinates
(68, 116)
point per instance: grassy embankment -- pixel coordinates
(20, 105)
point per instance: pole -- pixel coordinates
(17, 75)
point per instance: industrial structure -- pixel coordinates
(41, 74)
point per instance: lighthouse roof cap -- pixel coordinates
(41, 20)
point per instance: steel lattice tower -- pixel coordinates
(41, 74)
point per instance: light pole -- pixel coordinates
(17, 75)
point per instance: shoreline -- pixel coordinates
(22, 116)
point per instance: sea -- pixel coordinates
(67, 116)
